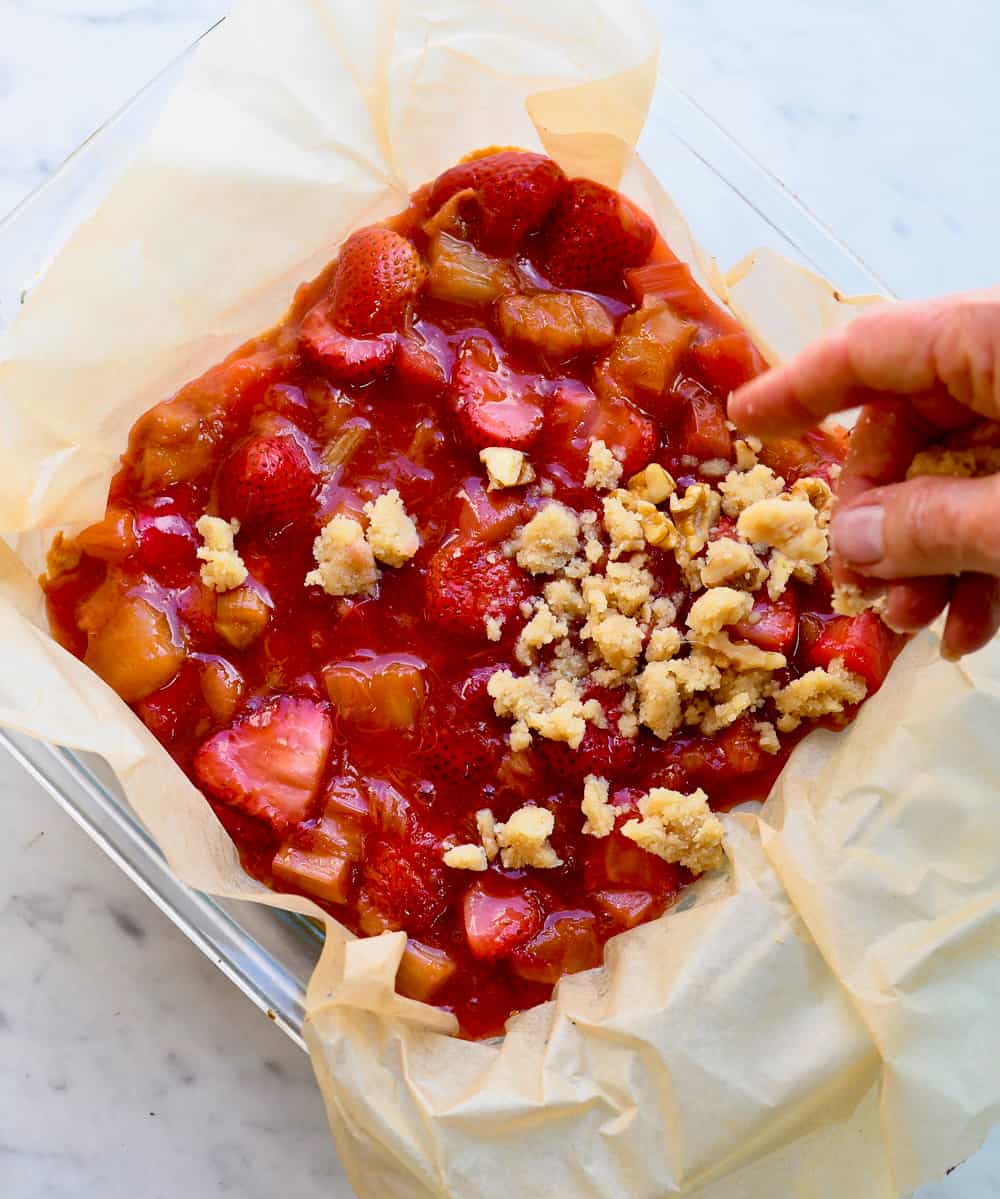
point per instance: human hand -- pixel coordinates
(921, 373)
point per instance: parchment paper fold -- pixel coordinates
(819, 1022)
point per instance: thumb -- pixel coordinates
(927, 526)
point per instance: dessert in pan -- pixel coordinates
(458, 596)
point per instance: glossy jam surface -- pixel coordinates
(368, 714)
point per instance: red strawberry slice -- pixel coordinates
(406, 881)
(727, 362)
(349, 361)
(591, 236)
(467, 581)
(576, 417)
(704, 434)
(266, 481)
(423, 360)
(499, 916)
(462, 756)
(167, 543)
(864, 643)
(270, 762)
(566, 944)
(513, 192)
(494, 404)
(773, 624)
(377, 277)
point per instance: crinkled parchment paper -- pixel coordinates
(820, 1021)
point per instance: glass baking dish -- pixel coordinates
(733, 205)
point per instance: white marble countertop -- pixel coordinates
(128, 1065)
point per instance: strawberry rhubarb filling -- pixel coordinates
(458, 596)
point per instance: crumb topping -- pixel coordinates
(678, 828)
(971, 463)
(598, 811)
(345, 564)
(222, 567)
(820, 692)
(549, 540)
(487, 828)
(524, 839)
(391, 534)
(604, 471)
(741, 488)
(733, 563)
(466, 857)
(505, 467)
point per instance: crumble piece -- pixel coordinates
(549, 540)
(345, 564)
(719, 607)
(565, 598)
(820, 692)
(737, 693)
(817, 492)
(780, 570)
(678, 828)
(487, 828)
(494, 628)
(664, 643)
(222, 567)
(466, 857)
(599, 813)
(623, 524)
(548, 705)
(732, 562)
(694, 515)
(652, 484)
(715, 468)
(628, 586)
(742, 655)
(524, 839)
(660, 531)
(604, 471)
(747, 449)
(850, 600)
(767, 736)
(542, 629)
(659, 699)
(391, 534)
(741, 488)
(505, 467)
(619, 641)
(789, 525)
(972, 463)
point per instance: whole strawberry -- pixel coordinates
(512, 192)
(591, 236)
(266, 482)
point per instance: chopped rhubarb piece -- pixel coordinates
(566, 944)
(727, 362)
(384, 692)
(672, 282)
(270, 762)
(134, 650)
(499, 916)
(556, 324)
(423, 970)
(241, 615)
(620, 861)
(461, 274)
(319, 873)
(626, 909)
(112, 538)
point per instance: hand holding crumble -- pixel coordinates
(927, 378)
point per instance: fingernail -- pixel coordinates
(949, 654)
(857, 534)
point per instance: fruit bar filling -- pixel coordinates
(457, 594)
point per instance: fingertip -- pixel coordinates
(973, 616)
(911, 604)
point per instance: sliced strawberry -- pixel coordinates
(576, 416)
(566, 944)
(423, 360)
(617, 860)
(499, 916)
(489, 516)
(270, 762)
(591, 236)
(467, 581)
(267, 481)
(602, 752)
(406, 881)
(346, 360)
(726, 759)
(727, 362)
(814, 453)
(175, 708)
(704, 433)
(512, 192)
(462, 756)
(671, 280)
(864, 643)
(772, 624)
(377, 277)
(494, 404)
(167, 543)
